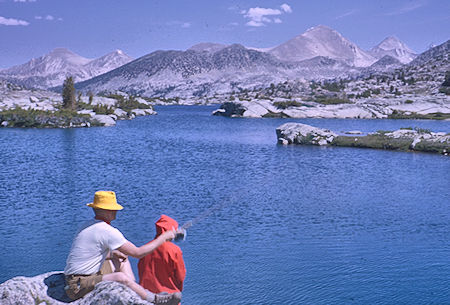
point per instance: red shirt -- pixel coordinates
(163, 270)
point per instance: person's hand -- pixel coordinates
(180, 234)
(169, 235)
(119, 255)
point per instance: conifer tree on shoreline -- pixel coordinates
(68, 94)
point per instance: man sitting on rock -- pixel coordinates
(163, 270)
(99, 253)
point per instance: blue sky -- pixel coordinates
(92, 28)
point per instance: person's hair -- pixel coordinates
(99, 211)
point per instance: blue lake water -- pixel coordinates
(298, 224)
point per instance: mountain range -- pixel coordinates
(51, 69)
(209, 68)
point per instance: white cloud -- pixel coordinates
(48, 18)
(11, 21)
(259, 16)
(411, 6)
(181, 24)
(286, 8)
(349, 13)
(24, 0)
(254, 23)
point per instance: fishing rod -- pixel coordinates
(181, 232)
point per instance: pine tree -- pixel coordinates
(91, 97)
(68, 94)
(446, 82)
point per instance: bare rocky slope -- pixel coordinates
(51, 69)
(206, 73)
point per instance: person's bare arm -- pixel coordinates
(130, 249)
(119, 255)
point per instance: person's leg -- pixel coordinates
(121, 277)
(126, 280)
(123, 266)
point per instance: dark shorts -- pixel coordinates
(78, 285)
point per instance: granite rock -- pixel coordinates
(48, 289)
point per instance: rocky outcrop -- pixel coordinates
(48, 289)
(21, 107)
(433, 107)
(403, 139)
(296, 133)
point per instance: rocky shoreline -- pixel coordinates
(21, 107)
(48, 289)
(407, 107)
(403, 140)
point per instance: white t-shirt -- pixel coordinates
(91, 246)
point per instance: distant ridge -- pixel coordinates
(208, 68)
(51, 69)
(194, 73)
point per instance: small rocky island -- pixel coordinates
(48, 289)
(407, 139)
(23, 107)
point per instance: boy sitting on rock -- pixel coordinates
(163, 269)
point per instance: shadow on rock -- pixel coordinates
(55, 284)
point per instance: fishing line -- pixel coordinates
(181, 234)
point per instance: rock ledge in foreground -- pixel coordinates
(403, 139)
(48, 289)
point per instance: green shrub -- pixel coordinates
(287, 104)
(333, 87)
(366, 93)
(409, 101)
(446, 82)
(376, 91)
(445, 90)
(129, 103)
(422, 130)
(325, 100)
(396, 114)
(378, 141)
(102, 109)
(20, 117)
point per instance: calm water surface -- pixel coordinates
(299, 225)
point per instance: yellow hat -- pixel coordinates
(105, 200)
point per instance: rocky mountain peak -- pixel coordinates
(207, 47)
(320, 30)
(322, 40)
(392, 42)
(66, 55)
(394, 47)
